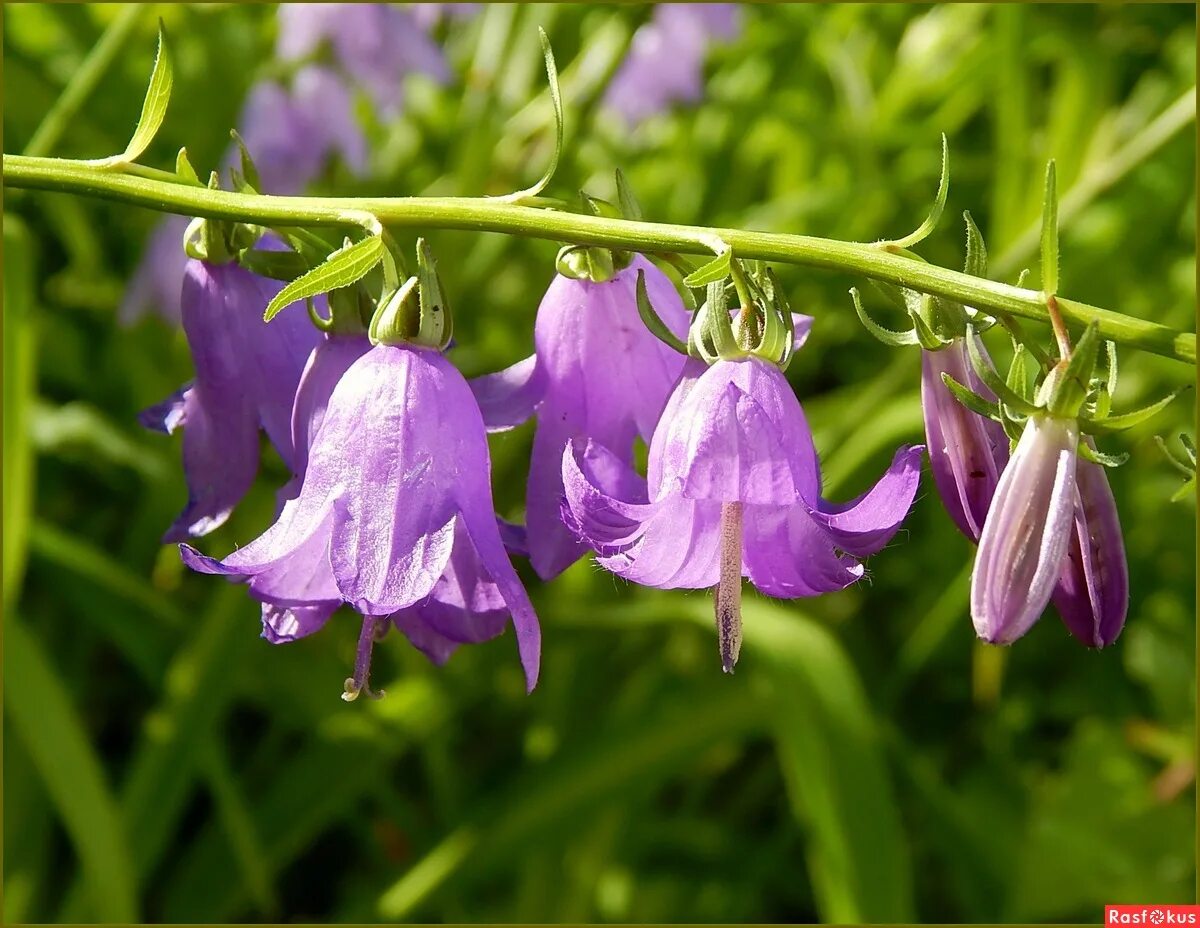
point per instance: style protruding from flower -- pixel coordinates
(597, 373)
(733, 490)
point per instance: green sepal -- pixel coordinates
(1185, 463)
(970, 399)
(652, 320)
(630, 207)
(1012, 425)
(935, 212)
(992, 380)
(1088, 453)
(890, 337)
(436, 323)
(1071, 390)
(184, 170)
(586, 262)
(929, 339)
(398, 318)
(715, 270)
(248, 181)
(976, 262)
(347, 265)
(1184, 492)
(277, 265)
(1102, 425)
(598, 207)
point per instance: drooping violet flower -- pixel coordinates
(155, 284)
(1092, 595)
(376, 44)
(394, 516)
(597, 373)
(1027, 532)
(967, 452)
(665, 64)
(733, 489)
(246, 378)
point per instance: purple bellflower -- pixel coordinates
(393, 516)
(246, 380)
(665, 64)
(597, 373)
(1027, 532)
(733, 490)
(967, 452)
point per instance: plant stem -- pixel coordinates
(492, 215)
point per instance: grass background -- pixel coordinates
(869, 761)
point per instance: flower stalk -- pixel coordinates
(530, 218)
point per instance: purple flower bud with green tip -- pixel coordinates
(967, 452)
(665, 64)
(394, 517)
(1027, 532)
(733, 490)
(598, 373)
(1092, 595)
(246, 379)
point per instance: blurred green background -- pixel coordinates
(868, 762)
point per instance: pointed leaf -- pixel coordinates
(1128, 420)
(969, 398)
(1178, 461)
(1050, 233)
(1089, 453)
(154, 107)
(717, 269)
(652, 320)
(977, 259)
(992, 380)
(184, 169)
(249, 171)
(892, 337)
(556, 100)
(277, 265)
(630, 207)
(344, 267)
(939, 204)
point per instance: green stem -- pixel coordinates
(84, 81)
(491, 215)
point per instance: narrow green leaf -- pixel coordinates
(892, 337)
(154, 107)
(715, 270)
(345, 266)
(939, 204)
(992, 380)
(184, 169)
(969, 398)
(652, 320)
(43, 717)
(277, 265)
(1050, 233)
(556, 99)
(1099, 457)
(630, 207)
(250, 176)
(1129, 419)
(976, 263)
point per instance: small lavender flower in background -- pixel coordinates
(733, 489)
(665, 64)
(155, 285)
(428, 15)
(246, 379)
(1027, 532)
(967, 452)
(1092, 595)
(401, 527)
(599, 374)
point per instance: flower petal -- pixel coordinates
(281, 624)
(508, 397)
(169, 414)
(788, 555)
(679, 546)
(604, 502)
(868, 523)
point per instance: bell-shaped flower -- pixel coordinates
(733, 490)
(1027, 532)
(393, 516)
(967, 452)
(1092, 595)
(597, 373)
(665, 63)
(245, 380)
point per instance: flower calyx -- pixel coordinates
(416, 312)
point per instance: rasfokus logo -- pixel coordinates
(1153, 915)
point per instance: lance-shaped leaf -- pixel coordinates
(935, 212)
(630, 207)
(651, 318)
(715, 270)
(1050, 233)
(345, 266)
(1099, 457)
(1103, 425)
(1185, 463)
(888, 336)
(277, 265)
(969, 398)
(184, 170)
(154, 106)
(556, 100)
(992, 380)
(249, 174)
(977, 259)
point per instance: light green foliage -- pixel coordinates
(161, 761)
